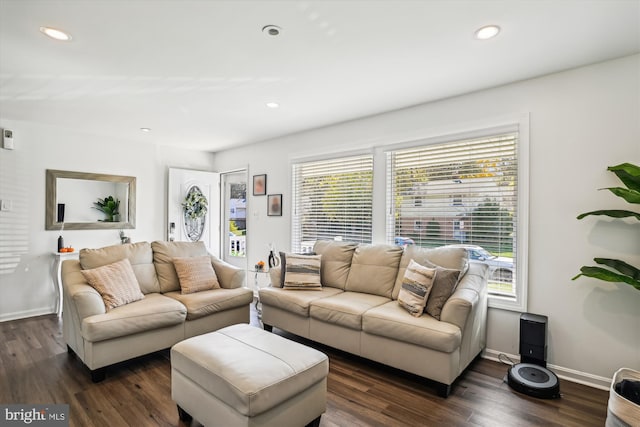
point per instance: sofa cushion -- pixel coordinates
(139, 255)
(416, 287)
(392, 321)
(195, 274)
(154, 311)
(116, 283)
(374, 269)
(203, 303)
(445, 256)
(345, 309)
(295, 302)
(336, 261)
(443, 286)
(163, 254)
(302, 272)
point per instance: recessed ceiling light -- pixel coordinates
(145, 129)
(55, 34)
(272, 104)
(487, 32)
(271, 30)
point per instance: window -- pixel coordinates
(470, 195)
(332, 200)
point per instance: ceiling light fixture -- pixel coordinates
(272, 104)
(55, 34)
(271, 30)
(145, 129)
(487, 32)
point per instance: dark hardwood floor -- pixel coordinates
(35, 368)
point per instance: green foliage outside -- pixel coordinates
(492, 226)
(235, 230)
(336, 209)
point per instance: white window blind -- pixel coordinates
(332, 200)
(461, 192)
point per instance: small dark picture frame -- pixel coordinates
(259, 185)
(274, 205)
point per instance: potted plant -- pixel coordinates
(618, 271)
(624, 395)
(110, 207)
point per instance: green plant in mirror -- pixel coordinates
(110, 207)
(618, 271)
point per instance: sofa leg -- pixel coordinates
(184, 415)
(443, 390)
(267, 328)
(98, 375)
(315, 423)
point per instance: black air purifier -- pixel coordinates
(531, 377)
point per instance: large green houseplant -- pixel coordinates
(110, 206)
(618, 271)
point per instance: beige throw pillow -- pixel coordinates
(416, 285)
(116, 283)
(302, 272)
(195, 274)
(443, 286)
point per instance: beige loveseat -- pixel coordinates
(163, 317)
(357, 309)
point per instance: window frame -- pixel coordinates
(519, 124)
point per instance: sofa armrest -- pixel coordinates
(468, 294)
(229, 276)
(467, 309)
(83, 299)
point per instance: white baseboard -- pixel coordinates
(5, 317)
(572, 375)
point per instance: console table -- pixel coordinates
(55, 272)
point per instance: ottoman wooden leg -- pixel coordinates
(184, 415)
(314, 423)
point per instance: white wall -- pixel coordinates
(581, 121)
(27, 289)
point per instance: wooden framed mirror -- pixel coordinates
(72, 196)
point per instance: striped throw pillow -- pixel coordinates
(302, 272)
(116, 283)
(196, 274)
(416, 285)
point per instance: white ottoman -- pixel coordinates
(243, 376)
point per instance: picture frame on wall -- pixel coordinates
(259, 185)
(274, 205)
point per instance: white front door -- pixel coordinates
(191, 223)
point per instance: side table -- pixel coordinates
(260, 280)
(57, 279)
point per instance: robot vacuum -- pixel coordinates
(533, 380)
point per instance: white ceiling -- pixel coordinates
(200, 72)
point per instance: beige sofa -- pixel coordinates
(162, 318)
(357, 309)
